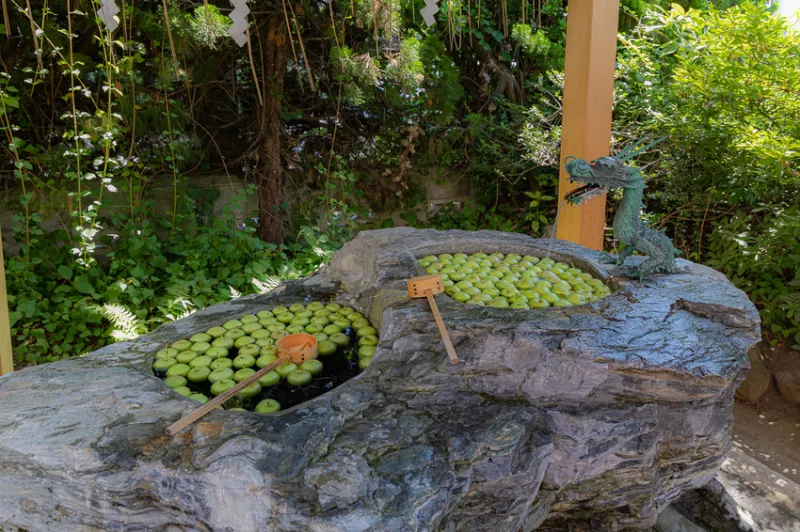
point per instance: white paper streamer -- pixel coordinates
(239, 18)
(107, 11)
(428, 12)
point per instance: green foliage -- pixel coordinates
(208, 26)
(534, 44)
(469, 218)
(358, 74)
(721, 85)
(148, 276)
(90, 125)
(760, 253)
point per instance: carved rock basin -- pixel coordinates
(599, 413)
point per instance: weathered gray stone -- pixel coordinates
(598, 415)
(788, 386)
(758, 379)
(712, 508)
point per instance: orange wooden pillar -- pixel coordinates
(6, 359)
(588, 96)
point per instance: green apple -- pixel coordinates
(244, 361)
(550, 297)
(340, 339)
(243, 341)
(232, 324)
(284, 369)
(167, 353)
(178, 369)
(249, 350)
(298, 377)
(200, 337)
(267, 406)
(332, 329)
(242, 374)
(524, 284)
(462, 296)
(198, 374)
(314, 367)
(366, 351)
(184, 357)
(175, 381)
(220, 374)
(201, 361)
(364, 362)
(576, 299)
(221, 363)
(251, 390)
(285, 318)
(264, 314)
(183, 390)
(326, 347)
(509, 292)
(503, 285)
(269, 379)
(266, 360)
(224, 342)
(368, 340)
(235, 333)
(201, 347)
(222, 386)
(198, 397)
(322, 321)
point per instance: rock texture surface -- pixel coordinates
(595, 416)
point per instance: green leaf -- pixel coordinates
(83, 285)
(10, 101)
(65, 271)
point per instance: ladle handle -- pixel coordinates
(193, 416)
(448, 345)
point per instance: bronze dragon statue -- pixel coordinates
(608, 173)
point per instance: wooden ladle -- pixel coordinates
(427, 286)
(296, 348)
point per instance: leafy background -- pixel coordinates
(336, 115)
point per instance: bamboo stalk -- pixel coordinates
(291, 42)
(6, 20)
(303, 50)
(6, 356)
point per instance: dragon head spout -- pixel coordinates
(599, 175)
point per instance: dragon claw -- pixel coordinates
(608, 258)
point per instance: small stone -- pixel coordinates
(757, 381)
(788, 386)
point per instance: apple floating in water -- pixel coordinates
(513, 281)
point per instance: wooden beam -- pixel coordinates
(6, 358)
(588, 97)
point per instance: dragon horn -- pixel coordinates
(632, 151)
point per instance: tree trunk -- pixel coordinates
(269, 177)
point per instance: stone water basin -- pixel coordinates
(599, 414)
